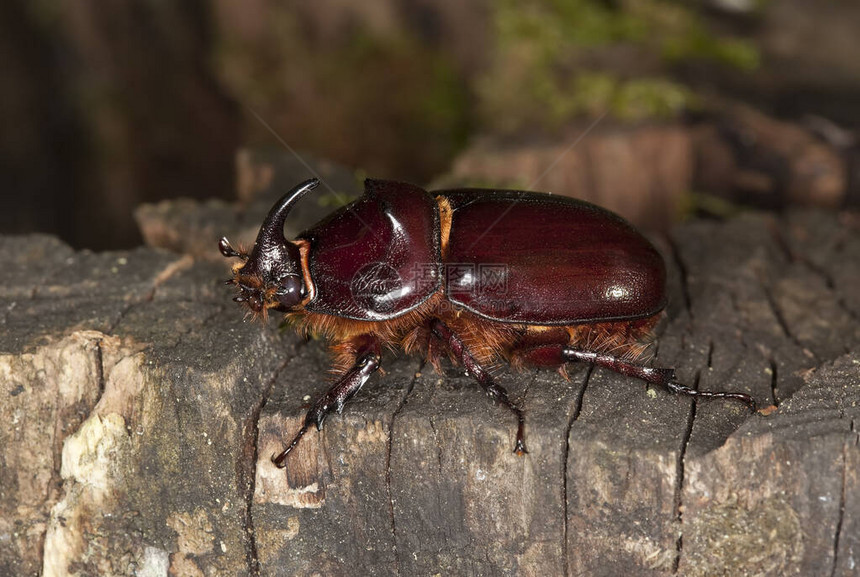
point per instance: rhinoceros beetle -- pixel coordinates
(479, 275)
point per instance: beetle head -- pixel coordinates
(271, 275)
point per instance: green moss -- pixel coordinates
(546, 70)
(704, 204)
(698, 44)
(651, 98)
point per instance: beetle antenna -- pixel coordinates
(279, 460)
(227, 249)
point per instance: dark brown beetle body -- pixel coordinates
(574, 263)
(478, 275)
(366, 258)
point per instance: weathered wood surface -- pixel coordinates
(139, 413)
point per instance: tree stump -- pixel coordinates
(140, 411)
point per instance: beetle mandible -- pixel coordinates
(479, 275)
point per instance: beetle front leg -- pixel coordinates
(484, 378)
(367, 362)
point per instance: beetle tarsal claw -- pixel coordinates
(280, 459)
(520, 448)
(678, 388)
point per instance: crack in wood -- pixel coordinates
(780, 319)
(774, 381)
(565, 464)
(167, 273)
(246, 469)
(56, 485)
(525, 393)
(682, 270)
(780, 242)
(831, 285)
(679, 478)
(100, 369)
(391, 516)
(818, 269)
(438, 444)
(121, 315)
(174, 267)
(189, 330)
(840, 518)
(441, 471)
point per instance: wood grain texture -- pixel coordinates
(139, 413)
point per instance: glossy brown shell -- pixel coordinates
(533, 258)
(378, 257)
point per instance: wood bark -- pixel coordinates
(139, 413)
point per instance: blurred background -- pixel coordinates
(655, 108)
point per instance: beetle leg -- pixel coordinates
(484, 378)
(554, 355)
(336, 397)
(662, 377)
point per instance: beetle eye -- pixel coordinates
(291, 291)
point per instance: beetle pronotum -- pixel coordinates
(535, 279)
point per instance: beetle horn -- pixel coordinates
(272, 230)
